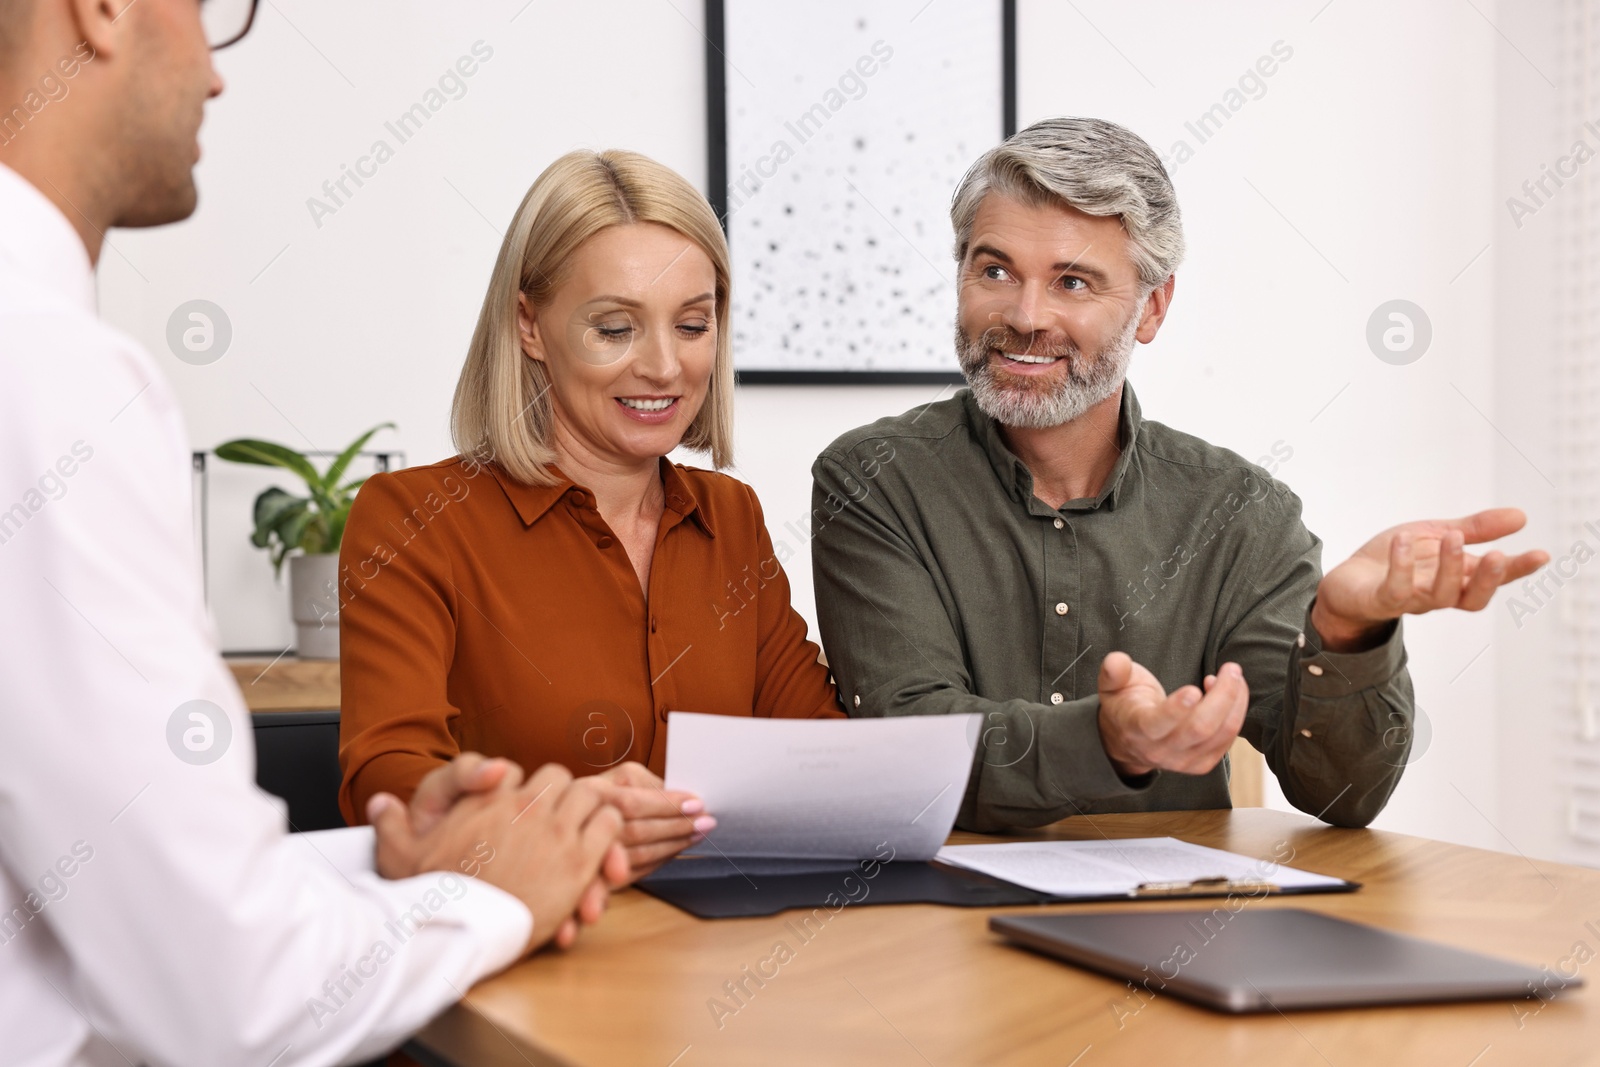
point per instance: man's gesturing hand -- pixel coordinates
(1143, 728)
(1415, 568)
(551, 842)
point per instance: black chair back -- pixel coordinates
(297, 759)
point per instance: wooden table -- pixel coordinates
(919, 985)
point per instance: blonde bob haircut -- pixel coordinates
(503, 412)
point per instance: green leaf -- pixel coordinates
(280, 522)
(278, 555)
(292, 531)
(268, 454)
(336, 471)
(336, 524)
(323, 500)
(270, 510)
(285, 522)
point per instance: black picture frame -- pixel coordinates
(717, 194)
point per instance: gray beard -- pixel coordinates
(1012, 400)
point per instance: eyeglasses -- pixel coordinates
(226, 21)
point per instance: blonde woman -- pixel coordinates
(552, 592)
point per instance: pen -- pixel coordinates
(1212, 883)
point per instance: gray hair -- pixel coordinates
(1093, 165)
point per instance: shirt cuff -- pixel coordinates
(350, 849)
(500, 922)
(497, 923)
(1329, 675)
(1069, 741)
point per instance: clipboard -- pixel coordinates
(1211, 885)
(746, 887)
(1140, 868)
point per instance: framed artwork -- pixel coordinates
(838, 130)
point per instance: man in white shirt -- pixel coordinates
(154, 910)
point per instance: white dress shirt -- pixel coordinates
(154, 910)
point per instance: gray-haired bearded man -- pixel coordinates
(1118, 599)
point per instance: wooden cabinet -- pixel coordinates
(286, 683)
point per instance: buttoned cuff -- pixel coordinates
(1325, 675)
(1069, 741)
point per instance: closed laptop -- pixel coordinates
(1262, 959)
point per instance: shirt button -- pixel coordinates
(1061, 524)
(1056, 698)
(1062, 609)
(1314, 669)
(1305, 733)
(604, 542)
(858, 700)
(1300, 640)
(652, 624)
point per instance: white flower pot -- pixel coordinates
(314, 604)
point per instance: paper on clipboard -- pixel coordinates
(851, 789)
(1109, 868)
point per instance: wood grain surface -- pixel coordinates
(286, 683)
(919, 985)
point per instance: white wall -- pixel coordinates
(1364, 172)
(1531, 726)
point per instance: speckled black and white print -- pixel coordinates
(849, 124)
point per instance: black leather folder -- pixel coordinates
(727, 888)
(721, 888)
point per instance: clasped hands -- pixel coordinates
(1410, 569)
(557, 843)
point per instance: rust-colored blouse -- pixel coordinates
(481, 614)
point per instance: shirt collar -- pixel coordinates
(37, 241)
(1014, 474)
(533, 501)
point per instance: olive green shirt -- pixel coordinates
(945, 586)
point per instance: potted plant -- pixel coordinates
(311, 528)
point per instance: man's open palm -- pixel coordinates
(1418, 567)
(1144, 728)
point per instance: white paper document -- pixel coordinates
(851, 789)
(1115, 868)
